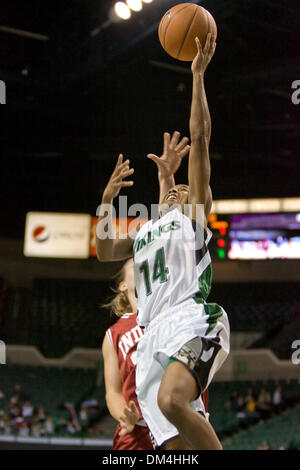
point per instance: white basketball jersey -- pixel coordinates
(171, 264)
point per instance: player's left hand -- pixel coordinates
(204, 55)
(173, 153)
(129, 419)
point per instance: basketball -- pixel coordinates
(180, 26)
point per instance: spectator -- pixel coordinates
(264, 446)
(7, 428)
(27, 410)
(40, 416)
(250, 401)
(2, 395)
(15, 411)
(251, 395)
(62, 425)
(13, 401)
(251, 405)
(264, 404)
(36, 430)
(49, 426)
(71, 428)
(20, 394)
(230, 405)
(277, 399)
(83, 416)
(71, 409)
(24, 429)
(240, 407)
(18, 422)
(43, 431)
(91, 404)
(2, 416)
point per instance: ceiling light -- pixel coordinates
(135, 5)
(122, 10)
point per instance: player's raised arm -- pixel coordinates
(168, 163)
(110, 248)
(200, 129)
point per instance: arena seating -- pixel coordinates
(17, 314)
(57, 315)
(49, 387)
(224, 420)
(256, 306)
(3, 300)
(282, 335)
(281, 430)
(52, 388)
(66, 313)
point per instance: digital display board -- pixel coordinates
(264, 236)
(256, 236)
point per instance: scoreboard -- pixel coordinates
(255, 236)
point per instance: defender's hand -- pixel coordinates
(116, 182)
(204, 55)
(129, 419)
(173, 153)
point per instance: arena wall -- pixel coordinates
(241, 364)
(256, 364)
(30, 355)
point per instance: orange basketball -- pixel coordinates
(179, 27)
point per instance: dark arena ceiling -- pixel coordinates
(86, 89)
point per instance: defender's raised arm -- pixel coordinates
(110, 248)
(175, 149)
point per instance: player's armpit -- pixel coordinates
(122, 248)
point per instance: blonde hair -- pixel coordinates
(119, 303)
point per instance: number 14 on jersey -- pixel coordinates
(160, 271)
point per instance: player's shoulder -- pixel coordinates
(122, 323)
(128, 316)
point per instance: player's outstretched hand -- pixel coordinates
(204, 55)
(129, 419)
(173, 153)
(116, 182)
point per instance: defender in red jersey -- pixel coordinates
(123, 337)
(119, 353)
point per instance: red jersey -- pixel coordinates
(204, 397)
(124, 336)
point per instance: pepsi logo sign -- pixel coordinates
(40, 234)
(55, 235)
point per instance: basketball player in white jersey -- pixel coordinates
(186, 339)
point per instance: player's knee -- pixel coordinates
(171, 404)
